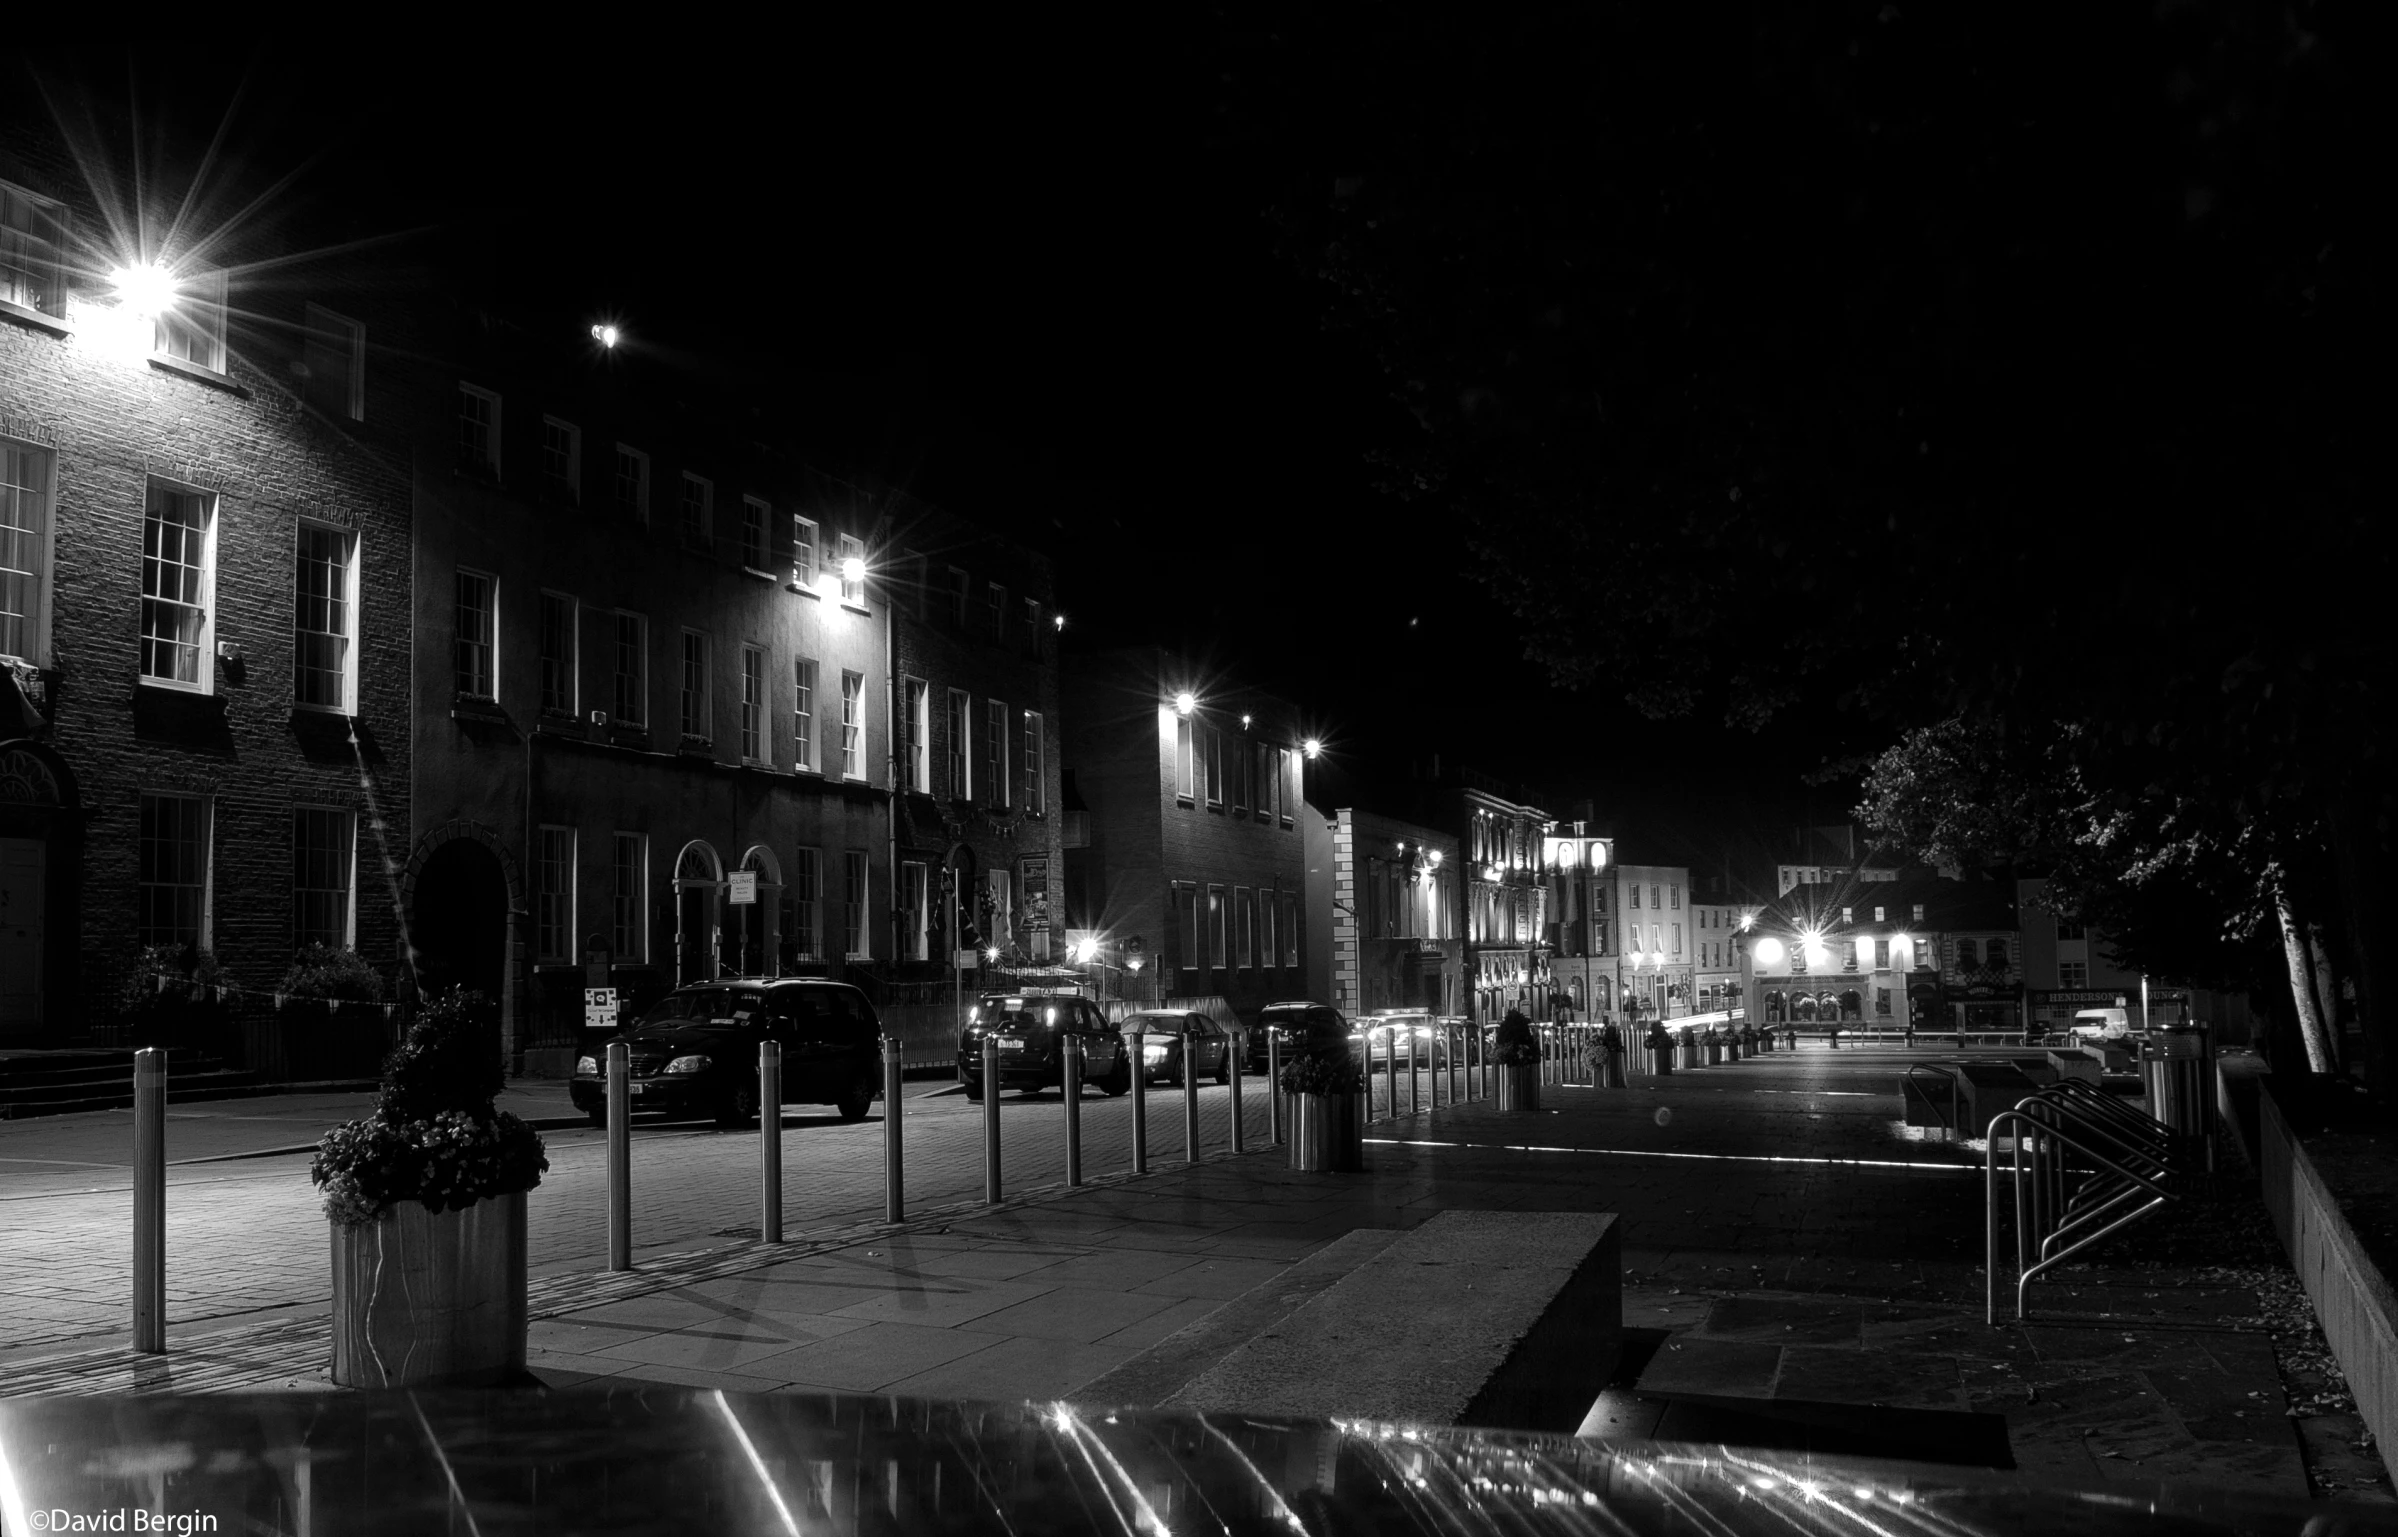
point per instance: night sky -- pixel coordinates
(1029, 276)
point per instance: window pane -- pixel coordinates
(321, 849)
(174, 585)
(1034, 787)
(853, 904)
(753, 704)
(853, 725)
(172, 869)
(321, 618)
(476, 623)
(807, 935)
(557, 654)
(803, 713)
(553, 900)
(631, 660)
(24, 522)
(627, 877)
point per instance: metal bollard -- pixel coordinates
(770, 1141)
(620, 1156)
(1238, 1048)
(895, 1067)
(1070, 1075)
(1190, 1098)
(990, 1121)
(1452, 1041)
(150, 1200)
(1133, 1041)
(1274, 1083)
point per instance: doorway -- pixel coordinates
(23, 863)
(459, 921)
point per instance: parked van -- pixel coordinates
(2102, 1024)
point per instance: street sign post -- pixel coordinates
(599, 1008)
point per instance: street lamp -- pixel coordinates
(853, 568)
(145, 288)
(1312, 748)
(1185, 702)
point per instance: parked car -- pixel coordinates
(696, 1051)
(1297, 1028)
(1170, 1040)
(1389, 1031)
(1030, 1027)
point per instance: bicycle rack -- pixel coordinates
(2126, 1169)
(1946, 1111)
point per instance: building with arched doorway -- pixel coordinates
(204, 612)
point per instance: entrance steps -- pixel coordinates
(61, 1082)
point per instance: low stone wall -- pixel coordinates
(2353, 1300)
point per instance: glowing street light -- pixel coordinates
(1185, 702)
(144, 289)
(606, 335)
(1768, 951)
(991, 953)
(1312, 748)
(853, 568)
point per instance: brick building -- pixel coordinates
(1924, 950)
(978, 843)
(1383, 892)
(204, 612)
(1192, 794)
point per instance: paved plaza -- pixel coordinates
(1786, 1239)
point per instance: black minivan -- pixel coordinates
(1029, 1027)
(696, 1051)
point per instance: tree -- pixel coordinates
(1882, 366)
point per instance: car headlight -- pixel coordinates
(691, 1064)
(588, 1065)
(1154, 1051)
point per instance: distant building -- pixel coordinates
(1922, 951)
(2067, 968)
(1191, 883)
(1385, 893)
(204, 615)
(1506, 891)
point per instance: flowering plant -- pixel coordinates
(1322, 1072)
(435, 1136)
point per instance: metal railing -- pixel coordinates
(1945, 1105)
(2081, 1167)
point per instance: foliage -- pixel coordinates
(1514, 1054)
(434, 1136)
(1322, 1072)
(156, 1000)
(324, 971)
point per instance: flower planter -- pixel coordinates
(1519, 1086)
(1327, 1133)
(431, 1299)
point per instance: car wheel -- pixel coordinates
(741, 1106)
(974, 1090)
(1119, 1080)
(860, 1099)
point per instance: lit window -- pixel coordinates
(632, 669)
(24, 552)
(961, 758)
(853, 725)
(753, 706)
(995, 758)
(554, 896)
(1036, 784)
(803, 552)
(323, 848)
(915, 724)
(1186, 761)
(557, 652)
(628, 875)
(335, 356)
(1216, 919)
(191, 329)
(915, 906)
(807, 897)
(853, 905)
(698, 518)
(852, 548)
(33, 244)
(754, 523)
(478, 430)
(562, 459)
(171, 866)
(178, 560)
(697, 722)
(803, 714)
(323, 610)
(476, 624)
(632, 483)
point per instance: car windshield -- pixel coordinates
(1015, 1013)
(740, 1005)
(1158, 1024)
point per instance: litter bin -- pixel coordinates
(1661, 1050)
(2177, 1073)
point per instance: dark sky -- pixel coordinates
(1036, 281)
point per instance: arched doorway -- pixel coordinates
(458, 920)
(757, 926)
(698, 904)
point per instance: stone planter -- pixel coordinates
(1519, 1086)
(431, 1299)
(1327, 1133)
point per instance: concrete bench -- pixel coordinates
(1505, 1319)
